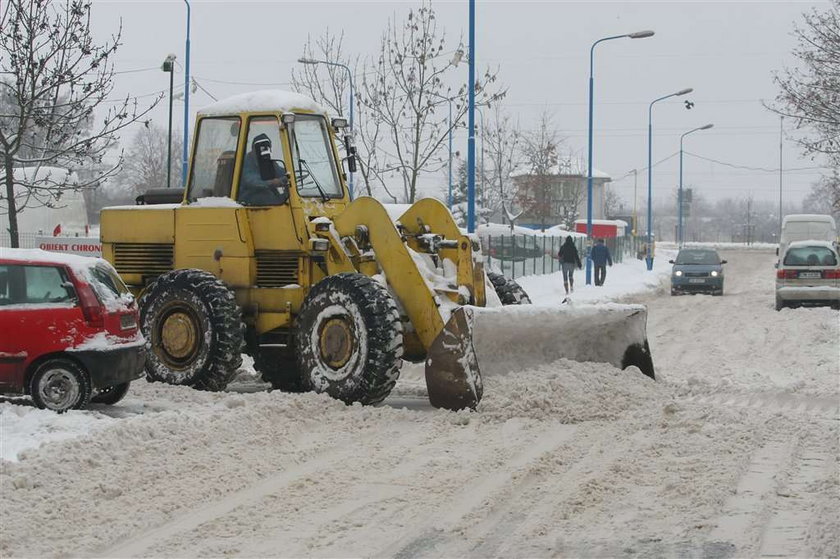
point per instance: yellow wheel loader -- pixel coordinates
(264, 253)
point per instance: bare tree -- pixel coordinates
(330, 85)
(145, 161)
(504, 142)
(55, 76)
(536, 186)
(824, 197)
(406, 98)
(613, 202)
(809, 94)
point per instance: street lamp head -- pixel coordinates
(308, 61)
(168, 63)
(706, 127)
(641, 34)
(456, 58)
(684, 91)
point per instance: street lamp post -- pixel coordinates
(649, 256)
(350, 77)
(483, 189)
(169, 66)
(185, 154)
(471, 126)
(680, 194)
(636, 35)
(635, 198)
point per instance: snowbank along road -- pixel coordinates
(733, 452)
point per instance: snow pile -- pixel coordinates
(24, 427)
(569, 392)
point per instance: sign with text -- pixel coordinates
(83, 246)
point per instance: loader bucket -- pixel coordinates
(513, 338)
(453, 379)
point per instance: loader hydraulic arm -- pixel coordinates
(405, 279)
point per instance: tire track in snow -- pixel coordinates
(379, 503)
(192, 519)
(785, 535)
(824, 407)
(502, 532)
(508, 479)
(747, 511)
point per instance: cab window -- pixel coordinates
(312, 157)
(214, 158)
(254, 190)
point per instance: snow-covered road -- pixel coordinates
(733, 452)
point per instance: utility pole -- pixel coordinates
(781, 136)
(635, 197)
(749, 222)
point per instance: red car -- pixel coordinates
(68, 330)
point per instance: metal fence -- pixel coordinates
(27, 240)
(527, 255)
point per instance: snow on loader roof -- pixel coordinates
(269, 100)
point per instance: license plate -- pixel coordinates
(810, 275)
(127, 322)
(696, 280)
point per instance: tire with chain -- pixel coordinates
(193, 329)
(349, 339)
(509, 292)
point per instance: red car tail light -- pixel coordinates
(91, 307)
(831, 274)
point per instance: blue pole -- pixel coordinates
(589, 178)
(185, 156)
(589, 157)
(471, 128)
(352, 130)
(680, 196)
(649, 257)
(450, 154)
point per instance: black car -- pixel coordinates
(697, 270)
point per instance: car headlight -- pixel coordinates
(715, 273)
(678, 273)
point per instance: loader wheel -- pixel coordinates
(349, 339)
(509, 292)
(193, 330)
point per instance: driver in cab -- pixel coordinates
(263, 181)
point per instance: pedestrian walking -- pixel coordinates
(600, 258)
(569, 259)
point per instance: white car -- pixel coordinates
(808, 274)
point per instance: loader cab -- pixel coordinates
(265, 160)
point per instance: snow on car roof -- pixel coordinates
(37, 256)
(811, 243)
(269, 100)
(808, 217)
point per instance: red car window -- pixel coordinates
(31, 284)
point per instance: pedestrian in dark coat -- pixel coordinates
(600, 258)
(569, 259)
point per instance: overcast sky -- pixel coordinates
(726, 51)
